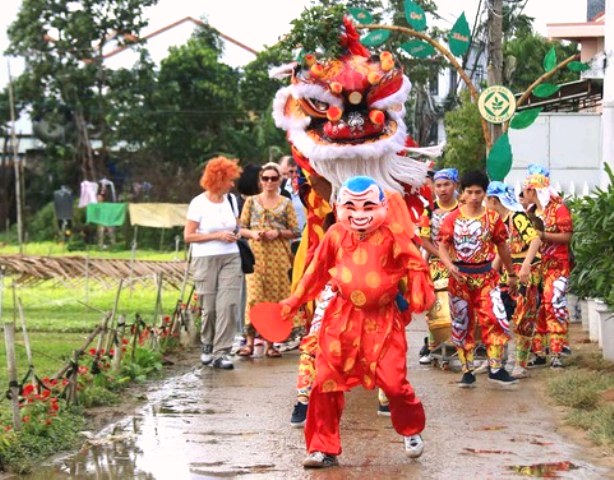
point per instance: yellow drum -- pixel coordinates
(439, 322)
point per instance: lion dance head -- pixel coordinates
(345, 116)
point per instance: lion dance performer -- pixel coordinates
(344, 117)
(362, 340)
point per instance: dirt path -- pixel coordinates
(212, 424)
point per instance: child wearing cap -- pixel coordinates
(555, 236)
(524, 245)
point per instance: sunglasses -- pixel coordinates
(269, 179)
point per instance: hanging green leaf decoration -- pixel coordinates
(578, 66)
(459, 37)
(375, 38)
(545, 90)
(525, 118)
(499, 162)
(550, 60)
(415, 16)
(418, 48)
(300, 55)
(361, 15)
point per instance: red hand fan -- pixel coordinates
(267, 320)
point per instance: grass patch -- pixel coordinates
(588, 393)
(579, 388)
(599, 424)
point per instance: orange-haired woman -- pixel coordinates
(213, 230)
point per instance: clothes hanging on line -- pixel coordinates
(63, 203)
(107, 214)
(89, 193)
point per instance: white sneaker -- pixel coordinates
(520, 372)
(414, 446)
(206, 357)
(426, 359)
(482, 368)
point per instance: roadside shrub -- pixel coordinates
(97, 396)
(593, 244)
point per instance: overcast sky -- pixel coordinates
(259, 23)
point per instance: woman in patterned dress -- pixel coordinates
(271, 219)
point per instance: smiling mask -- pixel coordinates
(361, 205)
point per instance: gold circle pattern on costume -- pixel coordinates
(329, 386)
(349, 364)
(346, 275)
(384, 299)
(359, 257)
(335, 348)
(373, 279)
(376, 239)
(358, 298)
(396, 228)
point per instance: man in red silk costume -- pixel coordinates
(364, 257)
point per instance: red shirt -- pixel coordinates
(557, 219)
(472, 239)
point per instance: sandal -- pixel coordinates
(273, 353)
(246, 351)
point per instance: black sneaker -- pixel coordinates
(383, 410)
(320, 460)
(299, 415)
(223, 363)
(467, 381)
(566, 351)
(425, 348)
(537, 362)
(502, 377)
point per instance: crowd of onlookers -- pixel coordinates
(257, 203)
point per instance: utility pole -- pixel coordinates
(607, 116)
(16, 164)
(495, 53)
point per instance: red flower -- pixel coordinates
(112, 352)
(55, 406)
(167, 319)
(48, 422)
(92, 352)
(83, 370)
(45, 394)
(125, 341)
(25, 419)
(29, 390)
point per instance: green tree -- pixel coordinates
(465, 148)
(524, 56)
(65, 80)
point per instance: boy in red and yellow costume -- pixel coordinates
(469, 239)
(362, 336)
(553, 318)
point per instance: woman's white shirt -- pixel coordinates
(212, 217)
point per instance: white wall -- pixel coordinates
(567, 143)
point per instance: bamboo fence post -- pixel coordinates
(26, 340)
(158, 306)
(71, 397)
(113, 315)
(87, 277)
(133, 246)
(137, 326)
(13, 391)
(88, 340)
(121, 330)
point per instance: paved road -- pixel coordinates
(218, 424)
